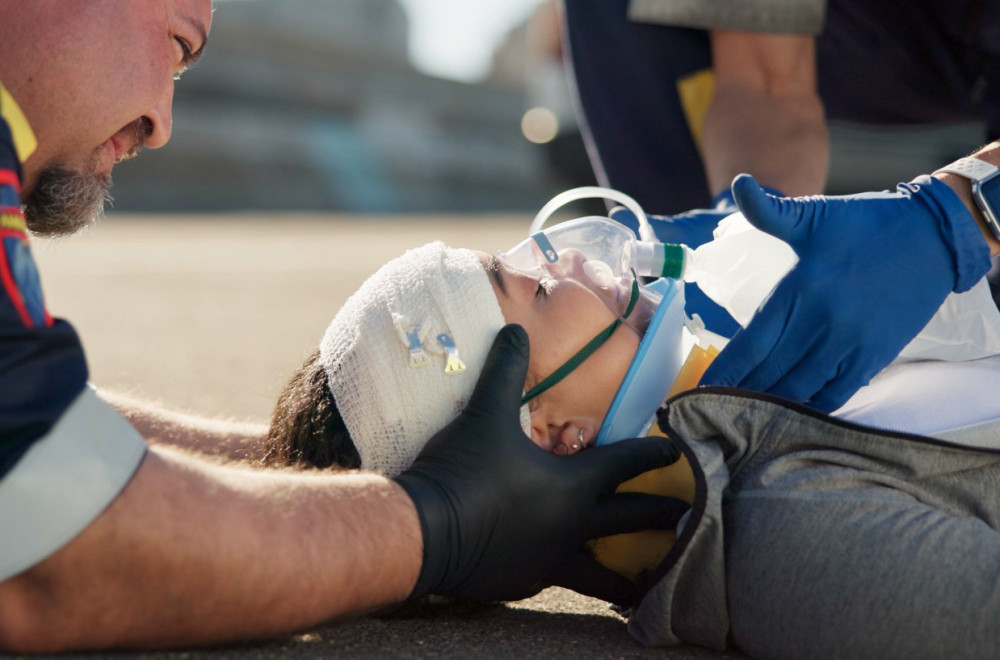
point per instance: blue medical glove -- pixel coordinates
(873, 269)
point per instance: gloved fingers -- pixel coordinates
(498, 390)
(779, 216)
(622, 215)
(583, 574)
(750, 346)
(612, 464)
(841, 388)
(804, 381)
(692, 228)
(793, 346)
(624, 513)
(724, 201)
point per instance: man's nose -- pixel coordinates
(161, 119)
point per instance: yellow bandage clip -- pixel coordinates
(454, 363)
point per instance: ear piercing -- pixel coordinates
(579, 441)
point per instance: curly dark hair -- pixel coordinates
(306, 429)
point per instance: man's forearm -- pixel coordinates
(236, 441)
(766, 117)
(195, 553)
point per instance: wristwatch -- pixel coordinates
(985, 180)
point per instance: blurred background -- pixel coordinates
(316, 140)
(368, 106)
(398, 106)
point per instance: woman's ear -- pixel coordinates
(540, 428)
(558, 435)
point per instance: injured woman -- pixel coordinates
(872, 532)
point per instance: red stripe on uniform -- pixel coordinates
(9, 178)
(12, 291)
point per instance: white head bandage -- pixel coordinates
(393, 353)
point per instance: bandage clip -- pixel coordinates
(418, 357)
(454, 363)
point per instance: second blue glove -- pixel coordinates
(873, 268)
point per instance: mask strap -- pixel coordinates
(586, 351)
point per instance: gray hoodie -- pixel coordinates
(814, 537)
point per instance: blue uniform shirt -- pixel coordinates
(42, 366)
(64, 453)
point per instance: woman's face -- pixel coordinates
(561, 313)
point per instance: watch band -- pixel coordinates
(978, 172)
(970, 168)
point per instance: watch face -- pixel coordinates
(986, 191)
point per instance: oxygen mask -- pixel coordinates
(606, 277)
(608, 259)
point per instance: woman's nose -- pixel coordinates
(570, 264)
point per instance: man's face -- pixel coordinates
(95, 79)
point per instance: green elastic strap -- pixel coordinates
(586, 351)
(673, 261)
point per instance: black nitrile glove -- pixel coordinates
(503, 519)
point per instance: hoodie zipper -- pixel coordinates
(815, 414)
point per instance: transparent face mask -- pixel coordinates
(605, 256)
(595, 252)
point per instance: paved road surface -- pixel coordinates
(211, 314)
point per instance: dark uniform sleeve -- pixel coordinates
(64, 453)
(42, 367)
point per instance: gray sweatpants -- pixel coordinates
(818, 538)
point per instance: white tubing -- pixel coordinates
(592, 192)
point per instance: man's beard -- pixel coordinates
(64, 202)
